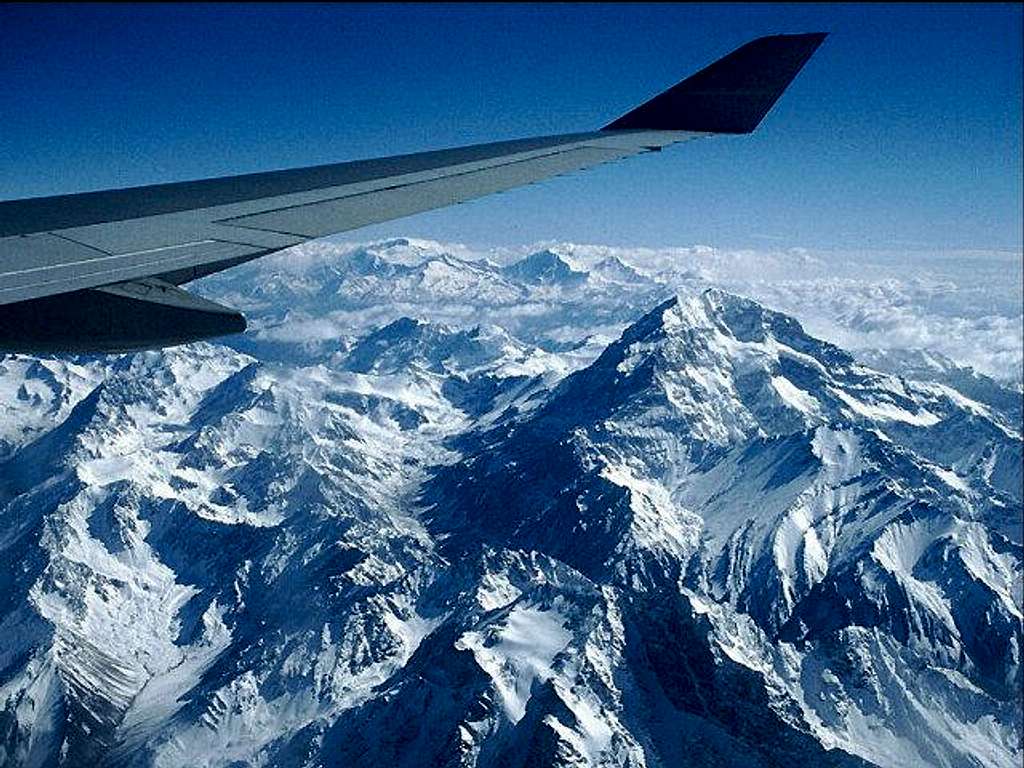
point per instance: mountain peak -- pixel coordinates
(720, 368)
(735, 318)
(545, 267)
(712, 310)
(615, 270)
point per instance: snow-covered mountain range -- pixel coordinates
(435, 510)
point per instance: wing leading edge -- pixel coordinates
(116, 254)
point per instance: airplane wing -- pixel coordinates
(100, 271)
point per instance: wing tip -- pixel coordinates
(731, 95)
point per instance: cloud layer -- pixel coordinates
(966, 305)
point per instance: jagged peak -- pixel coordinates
(366, 261)
(433, 346)
(401, 328)
(448, 259)
(545, 266)
(741, 319)
(613, 268)
(413, 243)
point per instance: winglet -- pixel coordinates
(730, 96)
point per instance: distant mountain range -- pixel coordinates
(435, 511)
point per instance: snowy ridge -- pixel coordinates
(499, 516)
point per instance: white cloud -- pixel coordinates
(965, 304)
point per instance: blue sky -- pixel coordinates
(902, 133)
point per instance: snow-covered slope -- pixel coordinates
(506, 535)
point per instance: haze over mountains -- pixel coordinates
(570, 509)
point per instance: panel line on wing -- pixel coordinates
(109, 256)
(70, 240)
(235, 221)
(119, 268)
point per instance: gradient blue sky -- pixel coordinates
(903, 132)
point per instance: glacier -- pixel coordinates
(567, 509)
